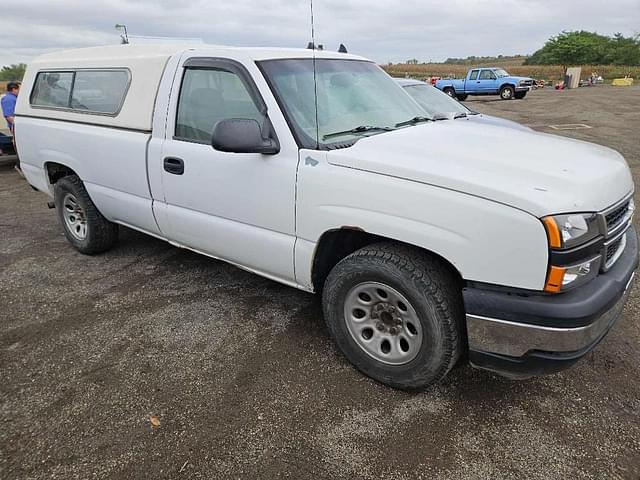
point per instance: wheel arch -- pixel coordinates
(55, 171)
(336, 244)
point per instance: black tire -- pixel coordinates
(434, 294)
(520, 95)
(507, 92)
(450, 91)
(461, 97)
(99, 233)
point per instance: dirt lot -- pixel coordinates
(244, 380)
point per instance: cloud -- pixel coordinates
(384, 31)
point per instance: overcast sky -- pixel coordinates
(382, 30)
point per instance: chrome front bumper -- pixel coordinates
(517, 339)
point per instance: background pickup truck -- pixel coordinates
(487, 81)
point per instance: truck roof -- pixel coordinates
(123, 53)
(146, 64)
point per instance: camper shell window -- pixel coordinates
(83, 91)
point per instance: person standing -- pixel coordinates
(9, 111)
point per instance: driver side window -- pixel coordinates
(487, 75)
(207, 96)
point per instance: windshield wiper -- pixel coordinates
(460, 115)
(414, 121)
(360, 129)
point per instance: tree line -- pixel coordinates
(588, 48)
(473, 60)
(568, 48)
(12, 72)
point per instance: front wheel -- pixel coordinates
(84, 226)
(461, 97)
(507, 92)
(396, 314)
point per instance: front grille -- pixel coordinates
(617, 216)
(614, 223)
(612, 249)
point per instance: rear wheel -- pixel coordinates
(507, 92)
(450, 91)
(520, 95)
(84, 226)
(396, 314)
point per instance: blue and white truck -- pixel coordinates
(487, 81)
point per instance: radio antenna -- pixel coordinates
(315, 80)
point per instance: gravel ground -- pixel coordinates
(243, 380)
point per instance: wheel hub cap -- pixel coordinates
(383, 323)
(74, 217)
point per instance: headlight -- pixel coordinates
(566, 278)
(566, 231)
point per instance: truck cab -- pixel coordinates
(315, 169)
(487, 81)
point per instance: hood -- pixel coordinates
(501, 122)
(513, 77)
(539, 173)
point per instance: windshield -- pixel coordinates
(500, 73)
(433, 100)
(355, 99)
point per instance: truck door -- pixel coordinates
(487, 81)
(237, 207)
(472, 82)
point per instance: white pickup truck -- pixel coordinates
(429, 241)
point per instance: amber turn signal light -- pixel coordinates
(553, 232)
(555, 279)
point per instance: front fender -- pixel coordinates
(453, 85)
(484, 240)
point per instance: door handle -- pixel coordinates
(174, 165)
